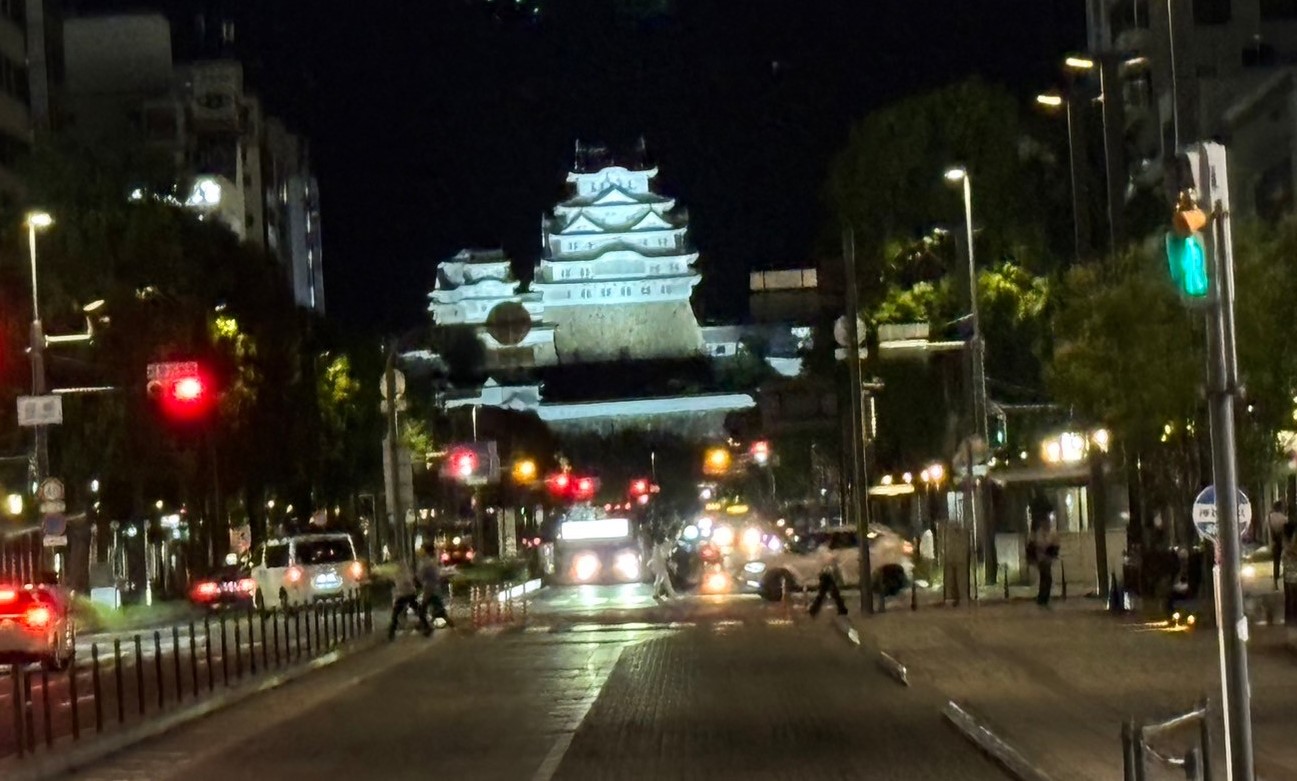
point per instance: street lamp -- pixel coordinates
(38, 220)
(1078, 64)
(978, 356)
(1050, 100)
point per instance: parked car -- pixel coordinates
(305, 568)
(36, 625)
(798, 567)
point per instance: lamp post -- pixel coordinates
(1050, 100)
(978, 360)
(38, 221)
(1111, 157)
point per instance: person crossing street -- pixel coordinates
(659, 565)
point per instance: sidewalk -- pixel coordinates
(1058, 683)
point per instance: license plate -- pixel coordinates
(327, 580)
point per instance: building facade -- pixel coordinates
(234, 164)
(1208, 69)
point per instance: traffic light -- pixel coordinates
(639, 487)
(717, 461)
(473, 463)
(182, 390)
(463, 463)
(568, 487)
(760, 452)
(1186, 253)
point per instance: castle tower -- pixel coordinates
(616, 271)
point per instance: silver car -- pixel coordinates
(798, 566)
(35, 626)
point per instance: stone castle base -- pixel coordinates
(588, 334)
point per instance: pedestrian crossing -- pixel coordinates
(595, 627)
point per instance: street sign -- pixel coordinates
(1204, 513)
(40, 410)
(54, 525)
(51, 490)
(840, 331)
(57, 506)
(55, 541)
(171, 370)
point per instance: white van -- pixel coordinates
(305, 568)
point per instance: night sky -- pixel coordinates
(437, 124)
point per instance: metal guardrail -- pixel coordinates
(1136, 737)
(131, 686)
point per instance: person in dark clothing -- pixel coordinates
(430, 580)
(406, 596)
(828, 584)
(1045, 545)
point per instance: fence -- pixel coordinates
(1137, 750)
(128, 678)
(21, 556)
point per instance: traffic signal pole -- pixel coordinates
(859, 505)
(392, 482)
(1223, 386)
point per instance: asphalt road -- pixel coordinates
(701, 688)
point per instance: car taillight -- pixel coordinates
(445, 558)
(248, 585)
(469, 555)
(293, 574)
(207, 589)
(357, 570)
(38, 617)
(8, 595)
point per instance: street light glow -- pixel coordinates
(39, 219)
(1079, 63)
(1053, 101)
(956, 174)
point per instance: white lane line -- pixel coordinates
(549, 766)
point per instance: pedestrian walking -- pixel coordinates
(829, 577)
(430, 581)
(660, 566)
(1276, 523)
(1043, 549)
(405, 595)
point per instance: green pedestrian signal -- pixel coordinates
(1186, 254)
(1187, 257)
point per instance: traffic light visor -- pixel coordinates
(1188, 221)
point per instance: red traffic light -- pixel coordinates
(639, 487)
(188, 389)
(463, 463)
(585, 486)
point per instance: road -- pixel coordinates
(600, 683)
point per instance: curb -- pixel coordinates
(848, 630)
(83, 754)
(529, 587)
(991, 744)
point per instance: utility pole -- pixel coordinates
(393, 483)
(859, 507)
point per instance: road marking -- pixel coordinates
(549, 766)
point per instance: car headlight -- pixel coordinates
(1248, 571)
(755, 567)
(627, 565)
(585, 566)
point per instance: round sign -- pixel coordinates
(1204, 513)
(840, 331)
(51, 489)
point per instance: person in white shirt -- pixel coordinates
(659, 565)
